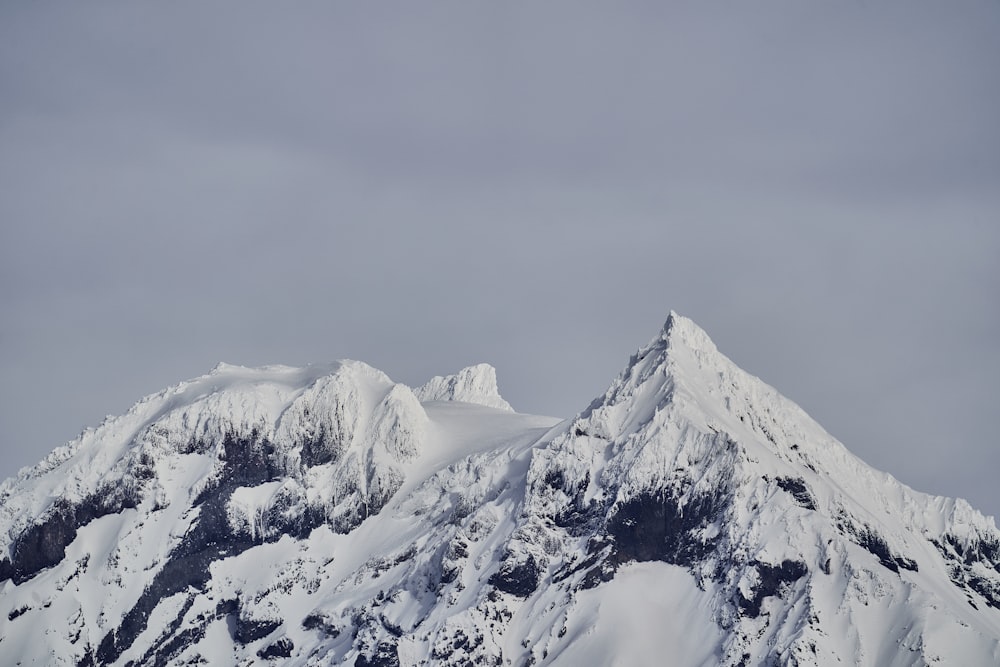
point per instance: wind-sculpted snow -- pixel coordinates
(327, 516)
(475, 384)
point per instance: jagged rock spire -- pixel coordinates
(473, 384)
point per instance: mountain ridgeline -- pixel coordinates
(328, 516)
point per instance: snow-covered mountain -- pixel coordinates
(325, 515)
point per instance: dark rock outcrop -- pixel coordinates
(772, 581)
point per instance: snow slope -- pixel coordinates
(326, 515)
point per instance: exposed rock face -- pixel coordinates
(326, 515)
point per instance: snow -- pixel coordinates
(428, 495)
(475, 384)
(648, 615)
(248, 507)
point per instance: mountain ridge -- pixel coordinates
(327, 515)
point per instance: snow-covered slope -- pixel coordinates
(326, 515)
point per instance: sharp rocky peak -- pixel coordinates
(679, 342)
(680, 359)
(473, 384)
(682, 331)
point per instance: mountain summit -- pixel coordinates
(475, 384)
(326, 515)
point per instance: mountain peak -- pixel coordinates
(473, 384)
(680, 344)
(323, 514)
(680, 331)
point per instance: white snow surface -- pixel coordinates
(475, 384)
(690, 516)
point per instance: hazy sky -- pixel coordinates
(424, 186)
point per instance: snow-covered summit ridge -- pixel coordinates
(343, 413)
(474, 384)
(681, 372)
(680, 383)
(680, 355)
(327, 515)
(680, 330)
(690, 460)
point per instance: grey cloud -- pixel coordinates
(428, 186)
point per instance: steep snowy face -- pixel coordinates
(688, 460)
(326, 516)
(340, 431)
(475, 384)
(214, 466)
(129, 529)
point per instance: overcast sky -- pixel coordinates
(423, 186)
